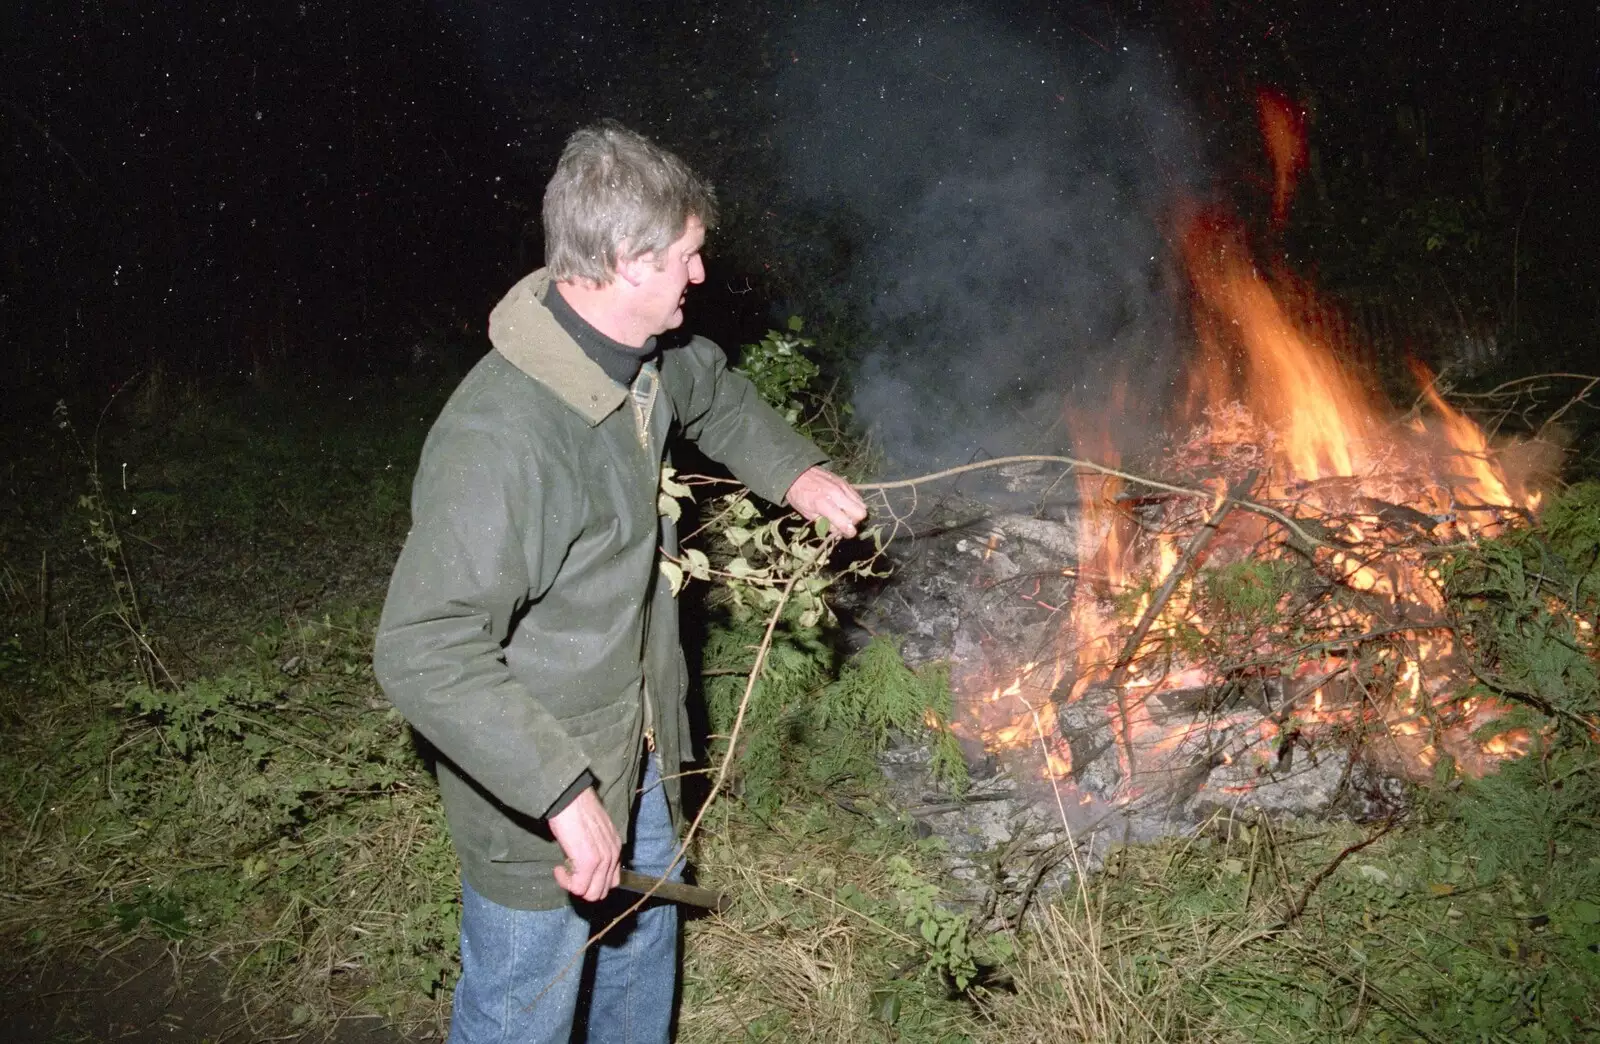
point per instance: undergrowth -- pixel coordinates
(207, 764)
(1528, 604)
(1474, 921)
(816, 722)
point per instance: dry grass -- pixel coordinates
(811, 947)
(814, 950)
(795, 960)
(788, 956)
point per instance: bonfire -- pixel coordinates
(1281, 587)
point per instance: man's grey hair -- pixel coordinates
(617, 196)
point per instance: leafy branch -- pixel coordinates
(762, 558)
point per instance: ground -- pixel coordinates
(145, 994)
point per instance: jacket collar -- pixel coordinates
(522, 329)
(620, 362)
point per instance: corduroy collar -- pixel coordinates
(522, 329)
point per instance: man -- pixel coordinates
(527, 633)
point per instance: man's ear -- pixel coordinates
(631, 270)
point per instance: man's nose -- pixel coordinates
(697, 271)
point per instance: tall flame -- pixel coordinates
(1317, 410)
(1472, 463)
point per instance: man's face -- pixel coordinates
(664, 280)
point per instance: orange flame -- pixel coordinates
(1473, 463)
(1320, 415)
(1283, 128)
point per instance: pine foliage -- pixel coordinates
(1526, 606)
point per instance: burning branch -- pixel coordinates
(1191, 554)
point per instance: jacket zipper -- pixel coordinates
(642, 395)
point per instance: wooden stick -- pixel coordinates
(644, 884)
(1191, 553)
(1294, 910)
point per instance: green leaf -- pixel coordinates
(886, 1006)
(674, 574)
(672, 487)
(796, 324)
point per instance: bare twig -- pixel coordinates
(1498, 390)
(1580, 397)
(1295, 909)
(935, 808)
(1043, 863)
(1299, 651)
(765, 647)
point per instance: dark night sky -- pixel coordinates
(320, 187)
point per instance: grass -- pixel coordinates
(1185, 940)
(254, 802)
(265, 807)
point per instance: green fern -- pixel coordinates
(877, 692)
(800, 726)
(1572, 526)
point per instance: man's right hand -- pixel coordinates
(591, 845)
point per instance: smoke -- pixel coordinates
(1010, 182)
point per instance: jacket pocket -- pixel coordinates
(602, 732)
(609, 738)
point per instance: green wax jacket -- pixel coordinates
(527, 632)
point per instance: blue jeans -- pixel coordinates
(521, 984)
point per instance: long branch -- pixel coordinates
(1089, 465)
(1532, 378)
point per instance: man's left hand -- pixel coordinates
(819, 493)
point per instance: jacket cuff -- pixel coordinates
(584, 781)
